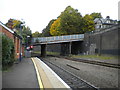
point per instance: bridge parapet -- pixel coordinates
(59, 39)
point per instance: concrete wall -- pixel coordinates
(102, 42)
(37, 48)
(76, 47)
(54, 47)
(66, 48)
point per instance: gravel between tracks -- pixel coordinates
(99, 76)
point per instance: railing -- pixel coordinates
(58, 38)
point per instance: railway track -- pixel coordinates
(71, 79)
(96, 63)
(90, 62)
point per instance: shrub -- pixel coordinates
(7, 51)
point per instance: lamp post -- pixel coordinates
(20, 54)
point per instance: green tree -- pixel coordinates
(36, 34)
(88, 23)
(69, 22)
(96, 15)
(46, 31)
(25, 33)
(7, 51)
(14, 24)
(20, 29)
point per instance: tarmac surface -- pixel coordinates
(20, 75)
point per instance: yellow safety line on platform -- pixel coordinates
(38, 76)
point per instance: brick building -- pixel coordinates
(15, 37)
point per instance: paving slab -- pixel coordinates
(21, 75)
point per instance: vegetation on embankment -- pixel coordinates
(102, 57)
(8, 56)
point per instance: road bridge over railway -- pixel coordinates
(58, 39)
(101, 41)
(64, 40)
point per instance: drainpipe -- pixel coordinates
(20, 54)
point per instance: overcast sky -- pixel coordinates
(38, 13)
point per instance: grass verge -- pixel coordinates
(102, 57)
(95, 57)
(53, 53)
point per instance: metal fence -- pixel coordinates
(58, 38)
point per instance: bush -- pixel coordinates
(7, 51)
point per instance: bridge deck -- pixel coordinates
(58, 39)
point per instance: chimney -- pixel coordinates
(108, 17)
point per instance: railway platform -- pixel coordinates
(47, 78)
(21, 75)
(32, 74)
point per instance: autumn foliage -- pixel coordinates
(55, 28)
(70, 21)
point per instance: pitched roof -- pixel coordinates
(104, 21)
(10, 30)
(6, 27)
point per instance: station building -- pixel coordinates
(15, 37)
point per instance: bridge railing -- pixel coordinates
(59, 38)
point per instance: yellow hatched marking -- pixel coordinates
(38, 76)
